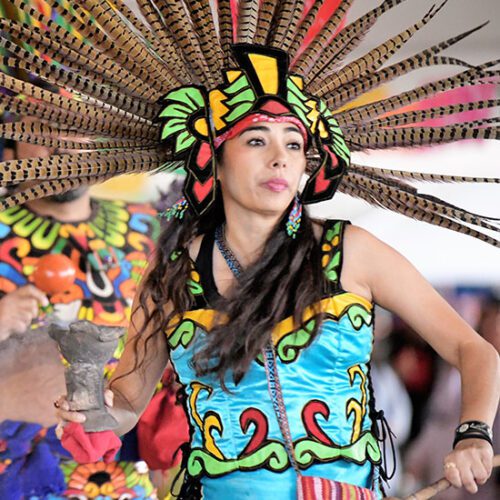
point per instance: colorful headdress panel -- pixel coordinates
(194, 117)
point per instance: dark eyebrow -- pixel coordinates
(293, 129)
(260, 128)
(263, 128)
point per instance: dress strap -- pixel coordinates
(332, 251)
(204, 266)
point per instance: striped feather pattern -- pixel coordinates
(378, 56)
(381, 195)
(304, 27)
(369, 111)
(347, 40)
(108, 69)
(266, 14)
(248, 17)
(308, 57)
(178, 23)
(201, 17)
(84, 59)
(286, 22)
(225, 28)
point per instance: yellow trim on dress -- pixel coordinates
(335, 306)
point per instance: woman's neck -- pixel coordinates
(246, 234)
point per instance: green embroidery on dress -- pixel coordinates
(194, 287)
(359, 315)
(333, 231)
(183, 334)
(331, 268)
(175, 255)
(365, 448)
(289, 346)
(272, 456)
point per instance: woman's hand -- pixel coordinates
(469, 464)
(65, 413)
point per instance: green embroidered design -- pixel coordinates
(193, 283)
(365, 448)
(272, 456)
(289, 346)
(331, 269)
(332, 252)
(182, 335)
(359, 315)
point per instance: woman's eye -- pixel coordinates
(295, 146)
(255, 142)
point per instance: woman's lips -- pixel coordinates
(276, 185)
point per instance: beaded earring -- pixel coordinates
(294, 218)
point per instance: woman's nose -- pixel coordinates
(279, 159)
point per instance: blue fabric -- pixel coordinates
(237, 448)
(34, 455)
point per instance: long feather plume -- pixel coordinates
(308, 57)
(304, 27)
(248, 17)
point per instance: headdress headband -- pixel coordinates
(109, 74)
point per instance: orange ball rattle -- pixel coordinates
(54, 273)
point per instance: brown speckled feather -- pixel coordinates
(304, 27)
(266, 14)
(286, 22)
(310, 55)
(374, 59)
(410, 205)
(248, 17)
(330, 59)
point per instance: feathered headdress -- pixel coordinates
(154, 92)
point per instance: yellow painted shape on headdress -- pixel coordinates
(219, 109)
(314, 117)
(201, 126)
(232, 75)
(266, 68)
(298, 80)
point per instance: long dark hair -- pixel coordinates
(286, 279)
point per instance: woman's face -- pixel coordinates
(262, 166)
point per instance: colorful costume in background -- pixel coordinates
(202, 67)
(110, 251)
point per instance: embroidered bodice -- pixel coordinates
(236, 448)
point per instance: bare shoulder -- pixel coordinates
(359, 242)
(363, 257)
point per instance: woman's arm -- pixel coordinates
(378, 272)
(132, 388)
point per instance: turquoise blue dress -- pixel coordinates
(237, 449)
